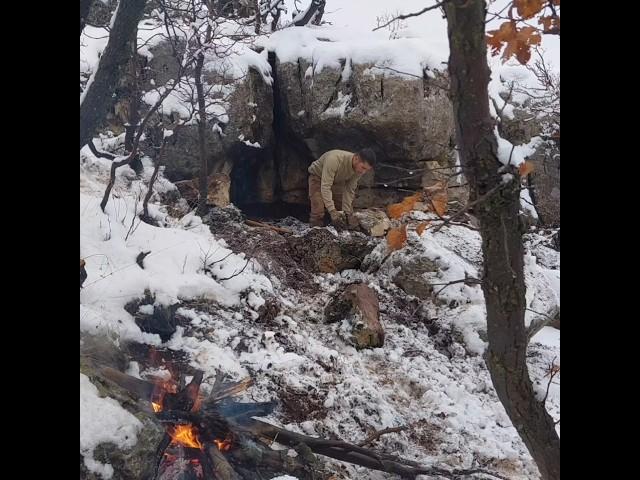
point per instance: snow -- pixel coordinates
(103, 420)
(326, 47)
(173, 270)
(342, 103)
(510, 154)
(527, 204)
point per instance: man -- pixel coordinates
(333, 180)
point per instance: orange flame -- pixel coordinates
(161, 388)
(185, 435)
(223, 445)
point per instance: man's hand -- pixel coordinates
(352, 221)
(338, 218)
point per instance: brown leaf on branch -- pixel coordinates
(517, 42)
(528, 8)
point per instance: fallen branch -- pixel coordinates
(379, 433)
(358, 455)
(254, 223)
(221, 467)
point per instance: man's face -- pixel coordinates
(360, 166)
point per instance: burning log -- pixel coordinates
(221, 467)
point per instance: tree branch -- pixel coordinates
(481, 199)
(467, 280)
(98, 153)
(409, 15)
(536, 325)
(552, 372)
(127, 160)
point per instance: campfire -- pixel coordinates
(201, 437)
(212, 437)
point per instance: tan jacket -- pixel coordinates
(335, 167)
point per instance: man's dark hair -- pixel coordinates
(368, 156)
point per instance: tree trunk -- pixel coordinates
(313, 14)
(132, 88)
(85, 6)
(202, 131)
(503, 282)
(98, 96)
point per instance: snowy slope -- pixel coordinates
(429, 375)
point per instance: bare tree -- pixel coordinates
(202, 135)
(203, 94)
(98, 94)
(503, 252)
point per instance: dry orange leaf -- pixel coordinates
(495, 38)
(518, 41)
(396, 210)
(525, 168)
(438, 199)
(421, 227)
(528, 8)
(396, 238)
(440, 203)
(549, 24)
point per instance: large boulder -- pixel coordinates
(274, 131)
(407, 121)
(374, 222)
(409, 276)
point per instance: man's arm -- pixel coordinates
(329, 170)
(349, 193)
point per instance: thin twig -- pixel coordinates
(409, 15)
(467, 280)
(553, 371)
(236, 273)
(468, 206)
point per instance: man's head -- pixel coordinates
(364, 160)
